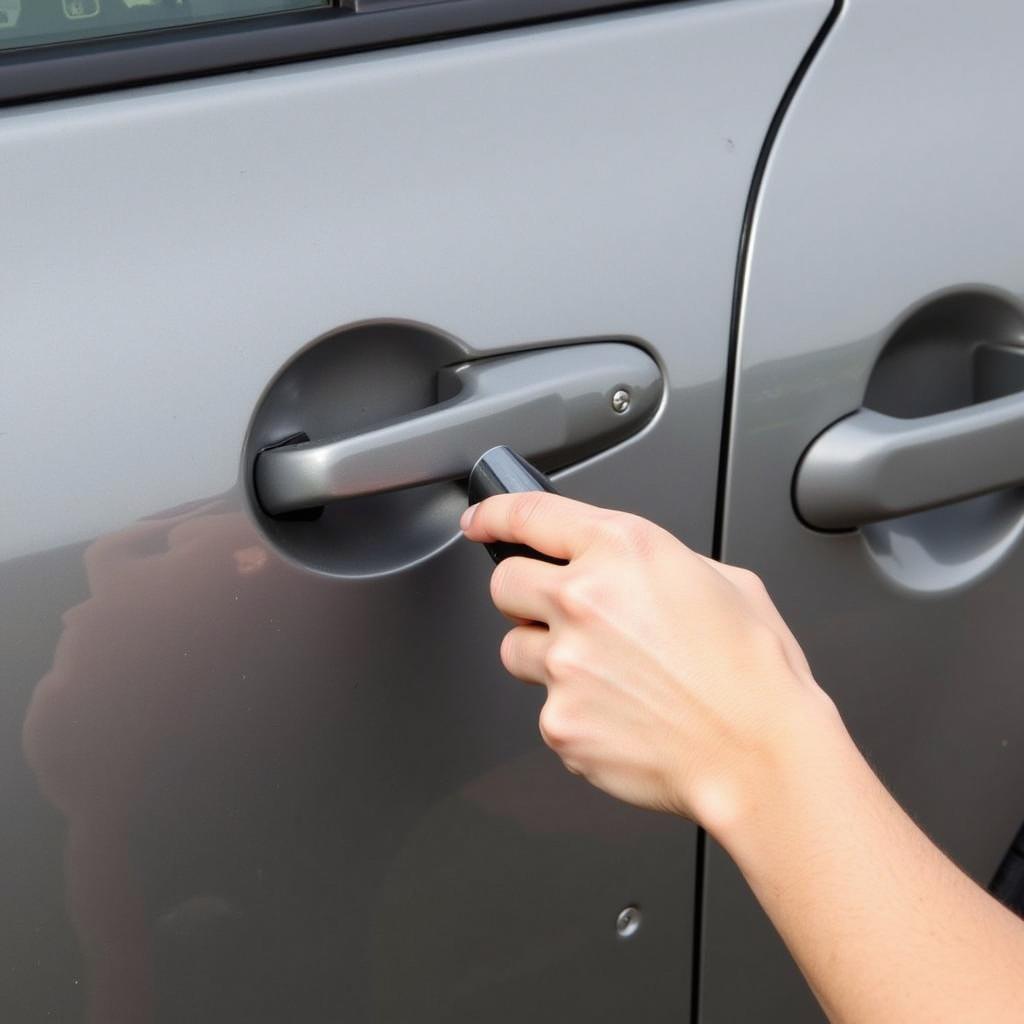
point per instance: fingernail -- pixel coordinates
(467, 517)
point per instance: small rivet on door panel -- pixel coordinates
(627, 924)
(620, 400)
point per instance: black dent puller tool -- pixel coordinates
(500, 470)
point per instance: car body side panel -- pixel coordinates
(236, 789)
(893, 182)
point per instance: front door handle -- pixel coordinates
(869, 466)
(554, 405)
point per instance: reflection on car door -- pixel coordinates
(250, 778)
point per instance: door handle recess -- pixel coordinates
(869, 466)
(554, 405)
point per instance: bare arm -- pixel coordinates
(674, 684)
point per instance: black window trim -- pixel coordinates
(67, 69)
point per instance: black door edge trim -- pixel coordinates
(68, 69)
(732, 369)
(742, 255)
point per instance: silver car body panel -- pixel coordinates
(239, 788)
(889, 212)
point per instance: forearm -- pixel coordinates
(674, 684)
(882, 924)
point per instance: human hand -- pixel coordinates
(673, 682)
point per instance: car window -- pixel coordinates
(32, 22)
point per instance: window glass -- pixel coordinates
(30, 22)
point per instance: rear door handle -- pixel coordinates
(869, 466)
(554, 405)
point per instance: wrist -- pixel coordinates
(776, 776)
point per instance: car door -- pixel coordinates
(883, 288)
(263, 764)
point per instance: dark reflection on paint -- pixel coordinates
(239, 749)
(292, 797)
(165, 712)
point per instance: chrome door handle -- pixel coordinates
(554, 405)
(870, 467)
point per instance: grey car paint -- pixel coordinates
(889, 220)
(239, 789)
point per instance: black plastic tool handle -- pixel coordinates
(500, 470)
